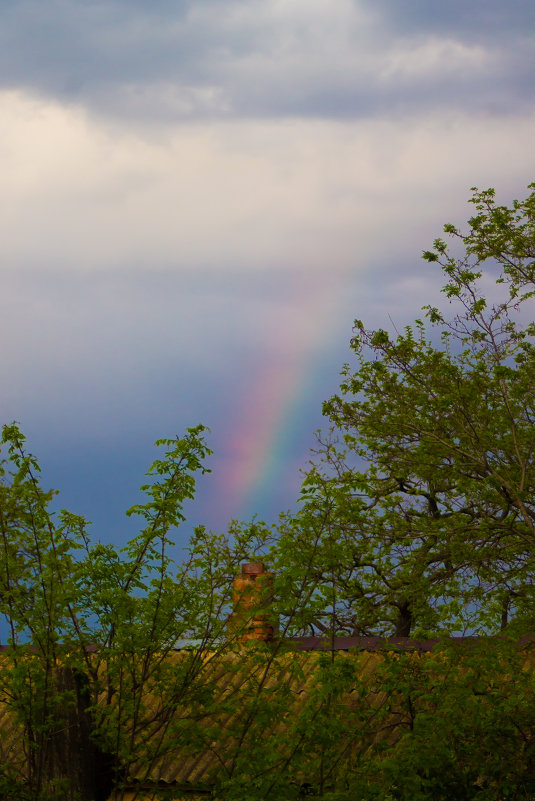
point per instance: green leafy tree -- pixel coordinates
(419, 513)
(417, 519)
(89, 676)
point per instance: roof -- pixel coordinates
(237, 681)
(252, 695)
(373, 644)
(294, 675)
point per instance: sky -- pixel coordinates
(198, 199)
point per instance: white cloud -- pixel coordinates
(426, 59)
(82, 193)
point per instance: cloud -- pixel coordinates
(480, 20)
(268, 58)
(81, 194)
(431, 58)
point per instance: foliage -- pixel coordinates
(419, 508)
(91, 628)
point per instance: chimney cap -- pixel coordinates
(252, 568)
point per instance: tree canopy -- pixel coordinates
(421, 500)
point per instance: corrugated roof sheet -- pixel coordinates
(241, 675)
(231, 676)
(296, 672)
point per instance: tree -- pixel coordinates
(419, 513)
(92, 629)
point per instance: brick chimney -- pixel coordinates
(252, 593)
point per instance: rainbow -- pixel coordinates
(299, 334)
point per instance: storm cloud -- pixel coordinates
(267, 58)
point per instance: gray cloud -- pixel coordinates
(200, 59)
(479, 20)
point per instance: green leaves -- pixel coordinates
(176, 483)
(111, 617)
(426, 499)
(380, 338)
